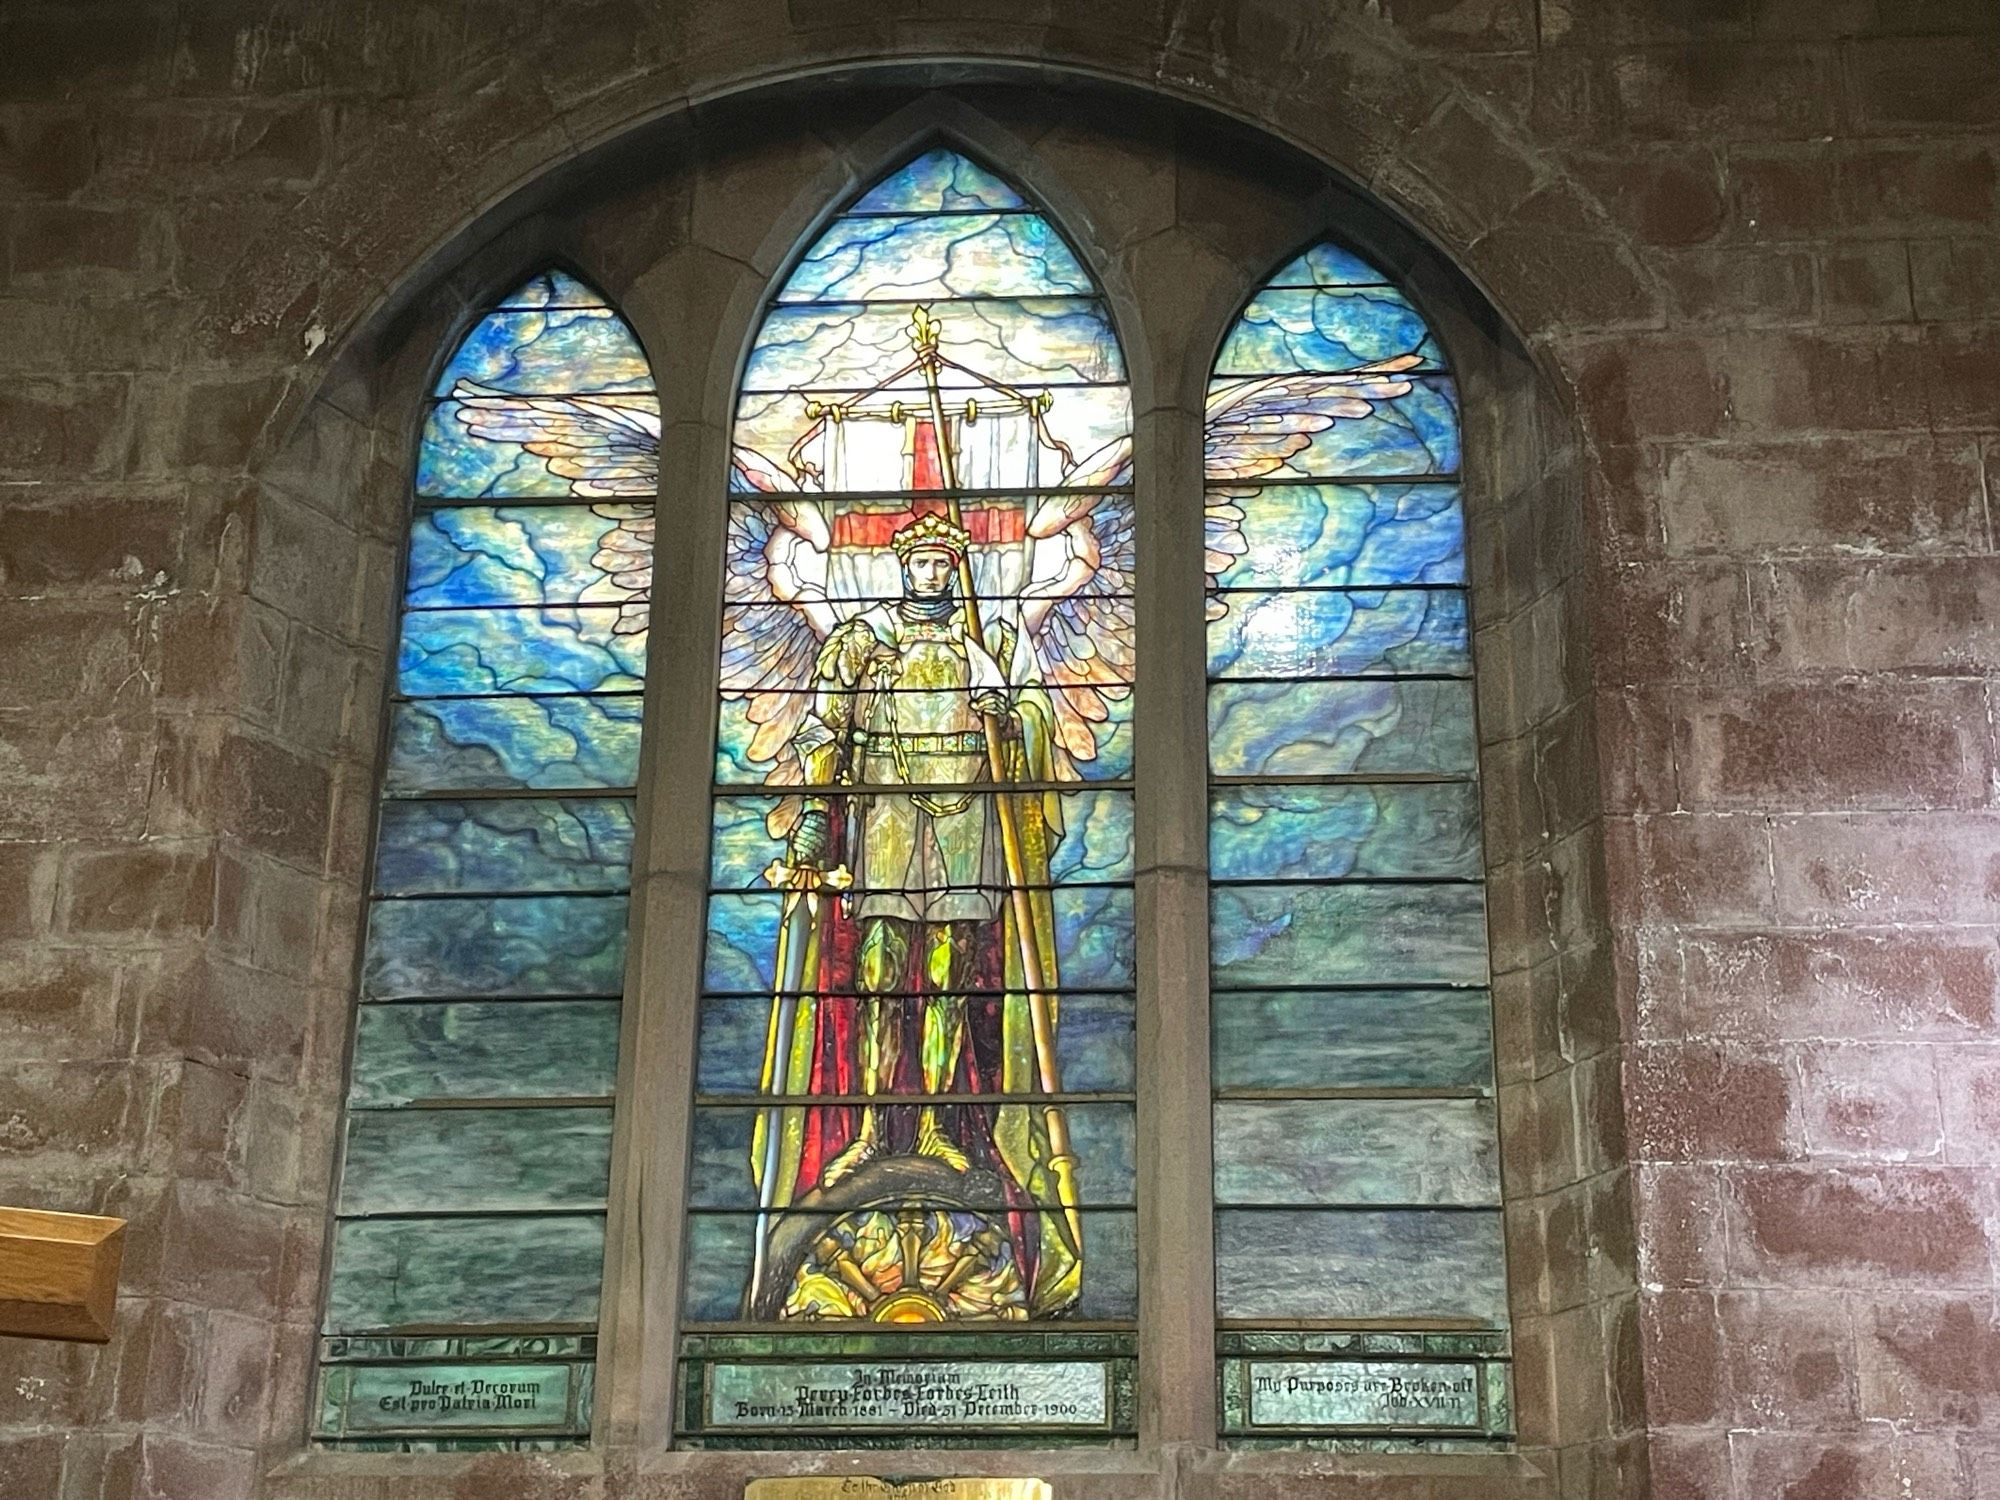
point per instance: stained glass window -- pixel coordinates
(462, 1304)
(911, 1211)
(1360, 1276)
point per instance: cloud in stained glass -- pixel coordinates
(939, 181)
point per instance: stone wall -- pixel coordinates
(1749, 247)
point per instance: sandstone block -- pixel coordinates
(1896, 1226)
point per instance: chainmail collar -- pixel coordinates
(927, 611)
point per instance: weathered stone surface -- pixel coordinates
(1735, 586)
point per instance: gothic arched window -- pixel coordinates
(1359, 1264)
(914, 1111)
(468, 1244)
(900, 1069)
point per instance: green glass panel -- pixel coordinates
(494, 946)
(464, 1272)
(503, 844)
(512, 1049)
(1373, 935)
(1419, 1264)
(475, 1160)
(1335, 1151)
(1305, 1039)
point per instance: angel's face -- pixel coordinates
(927, 572)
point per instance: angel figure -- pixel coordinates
(919, 675)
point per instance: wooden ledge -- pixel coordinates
(59, 1274)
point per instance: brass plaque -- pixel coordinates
(855, 1487)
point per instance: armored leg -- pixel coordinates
(880, 964)
(948, 958)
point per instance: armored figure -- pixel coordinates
(905, 697)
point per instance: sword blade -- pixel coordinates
(794, 936)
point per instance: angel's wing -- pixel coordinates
(776, 612)
(625, 557)
(1252, 428)
(606, 450)
(603, 449)
(1076, 618)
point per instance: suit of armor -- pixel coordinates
(902, 698)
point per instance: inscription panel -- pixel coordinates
(1370, 1394)
(977, 1394)
(359, 1399)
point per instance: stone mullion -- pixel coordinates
(1176, 1212)
(644, 1239)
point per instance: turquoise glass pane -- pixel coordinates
(947, 255)
(479, 743)
(508, 1049)
(1373, 935)
(557, 649)
(1102, 1135)
(495, 946)
(1316, 1039)
(1325, 331)
(464, 1272)
(1288, 1152)
(1335, 728)
(1415, 433)
(457, 462)
(529, 554)
(491, 845)
(553, 350)
(939, 181)
(1295, 832)
(1350, 535)
(1398, 1265)
(1339, 633)
(401, 1161)
(1328, 265)
(1093, 1043)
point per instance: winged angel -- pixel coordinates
(897, 669)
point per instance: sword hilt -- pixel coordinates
(808, 877)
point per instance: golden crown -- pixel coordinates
(932, 531)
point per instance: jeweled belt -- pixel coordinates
(959, 742)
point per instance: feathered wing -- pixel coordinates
(776, 614)
(1253, 427)
(604, 449)
(1076, 621)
